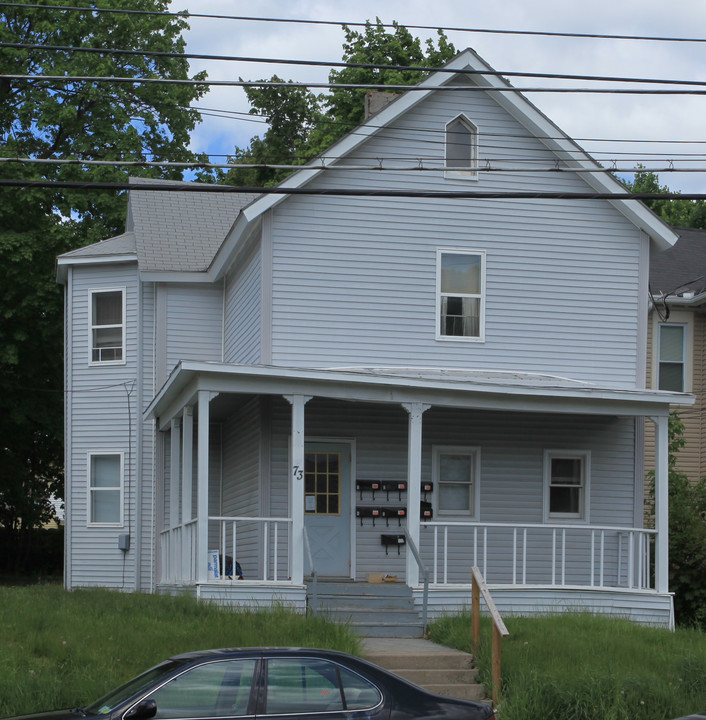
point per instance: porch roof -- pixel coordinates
(477, 389)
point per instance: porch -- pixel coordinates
(536, 564)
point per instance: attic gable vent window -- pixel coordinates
(462, 148)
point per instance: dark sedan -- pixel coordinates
(271, 682)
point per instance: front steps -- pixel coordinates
(435, 668)
(370, 609)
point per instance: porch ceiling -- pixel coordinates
(513, 392)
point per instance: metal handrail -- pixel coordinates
(425, 575)
(499, 630)
(314, 604)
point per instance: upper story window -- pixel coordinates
(105, 488)
(461, 154)
(671, 361)
(566, 485)
(460, 278)
(107, 309)
(456, 471)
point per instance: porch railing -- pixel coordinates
(540, 554)
(260, 545)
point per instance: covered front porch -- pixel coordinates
(244, 448)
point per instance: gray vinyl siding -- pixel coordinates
(511, 476)
(241, 481)
(354, 279)
(241, 335)
(103, 397)
(194, 322)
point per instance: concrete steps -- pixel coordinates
(433, 667)
(371, 609)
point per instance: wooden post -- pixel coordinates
(496, 662)
(475, 615)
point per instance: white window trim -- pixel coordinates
(584, 516)
(91, 326)
(474, 451)
(472, 172)
(437, 317)
(90, 490)
(676, 317)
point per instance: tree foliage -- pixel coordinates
(687, 535)
(47, 119)
(303, 124)
(680, 213)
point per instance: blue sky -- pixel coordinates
(636, 117)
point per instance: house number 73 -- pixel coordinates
(298, 473)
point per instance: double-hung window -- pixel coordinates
(672, 357)
(460, 278)
(105, 488)
(107, 342)
(456, 471)
(566, 485)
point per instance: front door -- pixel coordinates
(327, 507)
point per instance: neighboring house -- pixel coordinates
(286, 379)
(677, 332)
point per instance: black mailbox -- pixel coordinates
(390, 540)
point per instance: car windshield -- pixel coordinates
(131, 688)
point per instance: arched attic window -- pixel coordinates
(461, 154)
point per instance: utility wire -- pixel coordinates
(348, 86)
(366, 66)
(340, 23)
(347, 192)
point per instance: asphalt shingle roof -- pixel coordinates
(681, 268)
(118, 245)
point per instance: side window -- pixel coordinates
(107, 343)
(460, 279)
(672, 357)
(455, 477)
(218, 689)
(461, 153)
(105, 488)
(307, 685)
(567, 476)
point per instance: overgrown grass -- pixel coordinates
(586, 667)
(63, 649)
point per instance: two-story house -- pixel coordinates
(376, 357)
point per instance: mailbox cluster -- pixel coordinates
(373, 512)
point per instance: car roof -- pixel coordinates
(260, 651)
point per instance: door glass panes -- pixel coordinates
(302, 685)
(671, 357)
(322, 483)
(218, 689)
(455, 479)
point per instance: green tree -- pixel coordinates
(687, 534)
(677, 212)
(46, 119)
(303, 125)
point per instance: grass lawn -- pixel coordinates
(62, 649)
(586, 667)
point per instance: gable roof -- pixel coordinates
(516, 104)
(682, 268)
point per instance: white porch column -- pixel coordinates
(204, 398)
(661, 503)
(296, 486)
(174, 457)
(187, 460)
(414, 483)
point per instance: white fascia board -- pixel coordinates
(63, 263)
(236, 238)
(363, 387)
(682, 301)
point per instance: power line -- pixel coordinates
(348, 86)
(341, 64)
(348, 192)
(340, 23)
